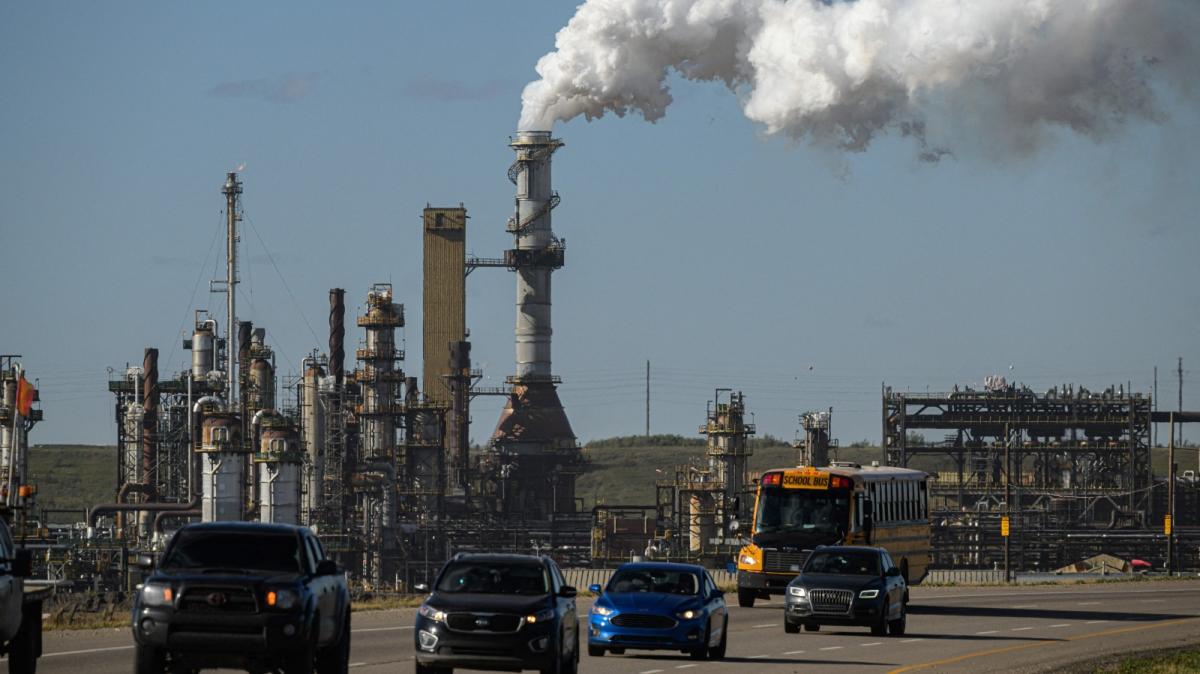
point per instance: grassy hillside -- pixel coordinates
(72, 476)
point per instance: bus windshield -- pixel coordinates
(802, 511)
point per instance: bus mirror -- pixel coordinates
(867, 510)
(734, 526)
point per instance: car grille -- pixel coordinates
(484, 622)
(215, 599)
(652, 622)
(830, 602)
(786, 562)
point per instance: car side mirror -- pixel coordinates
(567, 592)
(145, 561)
(22, 564)
(421, 587)
(718, 594)
(892, 572)
(594, 589)
(327, 567)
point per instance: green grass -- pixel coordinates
(1172, 662)
(73, 476)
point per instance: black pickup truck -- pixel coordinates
(258, 597)
(20, 607)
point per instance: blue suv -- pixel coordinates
(659, 606)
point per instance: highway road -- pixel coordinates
(987, 629)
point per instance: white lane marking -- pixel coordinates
(909, 641)
(765, 625)
(684, 666)
(873, 643)
(1094, 622)
(651, 671)
(757, 657)
(1089, 603)
(1062, 625)
(792, 652)
(988, 632)
(382, 629)
(357, 664)
(832, 648)
(1021, 629)
(88, 650)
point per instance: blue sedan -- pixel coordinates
(659, 606)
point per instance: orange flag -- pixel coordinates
(25, 395)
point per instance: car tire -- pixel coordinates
(335, 659)
(896, 627)
(718, 651)
(702, 652)
(617, 651)
(146, 660)
(746, 597)
(595, 651)
(24, 648)
(812, 628)
(880, 627)
(790, 627)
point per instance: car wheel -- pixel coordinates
(702, 652)
(335, 659)
(812, 628)
(718, 652)
(790, 627)
(617, 651)
(746, 597)
(146, 660)
(897, 626)
(879, 629)
(23, 649)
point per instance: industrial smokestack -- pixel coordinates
(149, 421)
(337, 335)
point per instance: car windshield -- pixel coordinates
(802, 510)
(850, 563)
(233, 551)
(468, 577)
(654, 580)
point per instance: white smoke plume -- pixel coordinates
(841, 72)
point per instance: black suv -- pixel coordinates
(243, 595)
(847, 585)
(505, 612)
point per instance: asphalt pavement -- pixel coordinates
(951, 629)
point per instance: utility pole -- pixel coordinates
(1154, 441)
(1007, 496)
(647, 398)
(1179, 371)
(1170, 526)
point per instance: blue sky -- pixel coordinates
(729, 259)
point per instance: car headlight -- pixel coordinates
(541, 616)
(155, 594)
(796, 591)
(603, 610)
(687, 614)
(748, 560)
(436, 615)
(282, 599)
(868, 594)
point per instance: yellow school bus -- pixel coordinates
(797, 509)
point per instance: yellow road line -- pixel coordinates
(1022, 647)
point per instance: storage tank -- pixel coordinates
(262, 382)
(222, 488)
(279, 461)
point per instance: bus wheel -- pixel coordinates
(746, 597)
